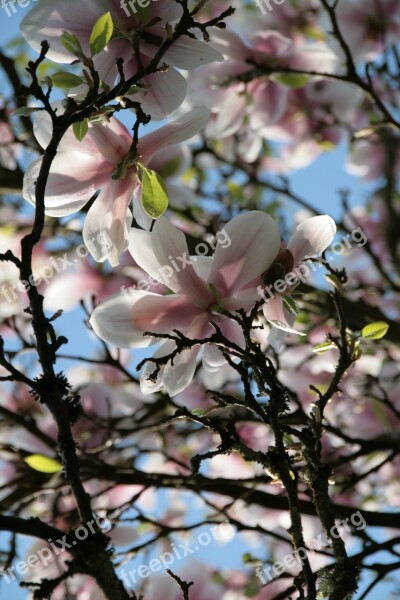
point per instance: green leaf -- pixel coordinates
(154, 194)
(80, 129)
(66, 80)
(335, 281)
(291, 305)
(43, 464)
(71, 42)
(25, 111)
(375, 331)
(101, 33)
(198, 412)
(285, 327)
(324, 347)
(292, 80)
(247, 558)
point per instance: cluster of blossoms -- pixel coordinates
(264, 93)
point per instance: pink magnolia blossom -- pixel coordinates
(165, 91)
(369, 26)
(228, 280)
(262, 102)
(82, 168)
(310, 238)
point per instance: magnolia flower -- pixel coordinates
(82, 168)
(163, 91)
(201, 286)
(261, 102)
(369, 26)
(311, 238)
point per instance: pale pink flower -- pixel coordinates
(310, 239)
(261, 102)
(369, 26)
(165, 91)
(227, 280)
(82, 168)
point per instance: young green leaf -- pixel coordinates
(25, 111)
(154, 194)
(292, 80)
(291, 305)
(324, 347)
(375, 331)
(335, 281)
(43, 464)
(80, 129)
(66, 80)
(101, 33)
(71, 42)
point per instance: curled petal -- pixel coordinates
(67, 191)
(122, 319)
(312, 237)
(106, 228)
(178, 131)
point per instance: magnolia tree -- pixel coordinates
(223, 423)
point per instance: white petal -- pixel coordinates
(142, 251)
(312, 237)
(254, 242)
(166, 93)
(170, 248)
(72, 181)
(178, 131)
(106, 228)
(48, 18)
(187, 53)
(112, 321)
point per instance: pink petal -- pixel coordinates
(273, 309)
(166, 93)
(312, 237)
(178, 376)
(112, 140)
(147, 386)
(43, 130)
(213, 356)
(178, 131)
(65, 291)
(254, 243)
(141, 249)
(106, 228)
(48, 18)
(67, 193)
(187, 53)
(122, 319)
(170, 248)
